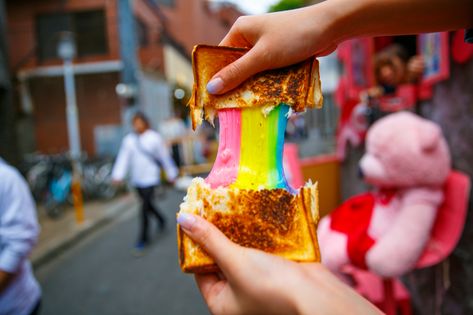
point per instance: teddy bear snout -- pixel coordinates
(372, 170)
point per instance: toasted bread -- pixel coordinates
(274, 221)
(297, 86)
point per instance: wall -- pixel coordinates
(192, 22)
(177, 68)
(452, 108)
(97, 104)
(22, 33)
(325, 170)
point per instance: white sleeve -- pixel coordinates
(120, 168)
(163, 155)
(19, 227)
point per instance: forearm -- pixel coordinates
(316, 285)
(396, 17)
(5, 279)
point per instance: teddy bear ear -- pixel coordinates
(429, 135)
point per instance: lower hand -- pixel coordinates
(254, 282)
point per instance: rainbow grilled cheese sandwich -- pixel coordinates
(246, 195)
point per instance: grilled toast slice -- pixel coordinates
(274, 221)
(297, 85)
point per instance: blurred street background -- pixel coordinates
(73, 73)
(99, 275)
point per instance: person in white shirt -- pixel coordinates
(20, 293)
(142, 154)
(174, 131)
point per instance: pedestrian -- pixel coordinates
(174, 131)
(19, 291)
(254, 282)
(144, 154)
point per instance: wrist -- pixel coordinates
(345, 19)
(301, 294)
(348, 20)
(334, 21)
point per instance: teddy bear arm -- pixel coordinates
(332, 246)
(398, 250)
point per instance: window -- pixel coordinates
(88, 27)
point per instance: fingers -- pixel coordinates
(235, 39)
(209, 285)
(215, 243)
(236, 36)
(237, 72)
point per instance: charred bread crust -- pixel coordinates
(274, 221)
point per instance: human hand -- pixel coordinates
(374, 92)
(253, 282)
(276, 40)
(415, 68)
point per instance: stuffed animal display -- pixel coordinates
(386, 230)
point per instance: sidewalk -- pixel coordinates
(59, 234)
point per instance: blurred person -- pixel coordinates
(392, 68)
(207, 146)
(20, 293)
(395, 73)
(144, 153)
(174, 130)
(250, 278)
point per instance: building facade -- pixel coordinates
(164, 29)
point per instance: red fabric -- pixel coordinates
(384, 196)
(404, 98)
(461, 51)
(353, 219)
(382, 42)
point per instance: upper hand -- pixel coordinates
(253, 282)
(275, 40)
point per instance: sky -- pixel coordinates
(253, 6)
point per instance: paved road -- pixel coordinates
(100, 275)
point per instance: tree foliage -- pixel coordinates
(283, 5)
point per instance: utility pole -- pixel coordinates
(67, 51)
(128, 87)
(8, 148)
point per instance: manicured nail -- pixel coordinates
(215, 85)
(186, 220)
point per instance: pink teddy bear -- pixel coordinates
(407, 161)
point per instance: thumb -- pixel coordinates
(235, 73)
(223, 251)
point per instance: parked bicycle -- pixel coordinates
(50, 180)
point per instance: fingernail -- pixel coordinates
(215, 85)
(186, 220)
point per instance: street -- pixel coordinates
(99, 275)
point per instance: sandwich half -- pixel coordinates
(274, 221)
(297, 86)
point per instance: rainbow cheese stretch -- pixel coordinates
(250, 150)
